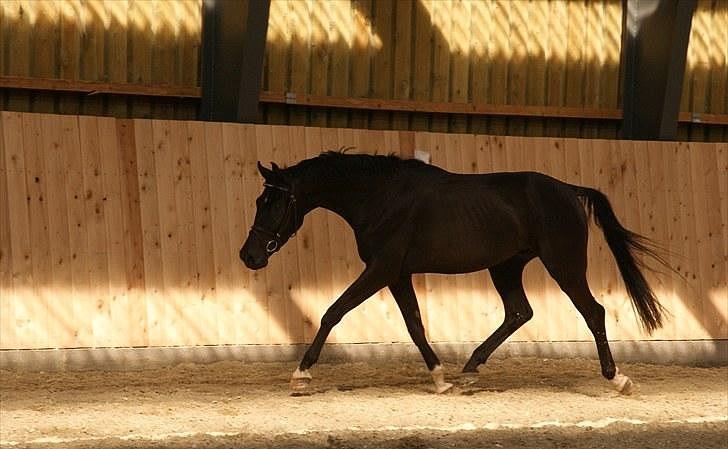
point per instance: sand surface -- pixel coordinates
(525, 403)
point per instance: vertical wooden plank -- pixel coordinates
(556, 69)
(18, 54)
(100, 312)
(93, 17)
(70, 50)
(152, 232)
(341, 47)
(164, 29)
(706, 196)
(518, 63)
(500, 44)
(171, 328)
(125, 235)
(52, 131)
(421, 89)
(189, 14)
(359, 86)
(129, 26)
(36, 184)
(575, 62)
(382, 62)
(140, 47)
(480, 59)
(299, 30)
(320, 48)
(7, 294)
(29, 315)
(70, 158)
(187, 285)
(536, 81)
(403, 76)
(610, 72)
(277, 51)
(442, 24)
(221, 246)
(460, 42)
(45, 39)
(717, 295)
(204, 308)
(593, 61)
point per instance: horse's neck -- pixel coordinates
(344, 199)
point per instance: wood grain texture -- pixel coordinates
(126, 233)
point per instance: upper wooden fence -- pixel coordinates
(538, 53)
(119, 232)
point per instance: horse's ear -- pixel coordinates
(265, 172)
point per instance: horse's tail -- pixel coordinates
(624, 243)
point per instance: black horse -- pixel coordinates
(410, 217)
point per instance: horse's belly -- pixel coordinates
(459, 253)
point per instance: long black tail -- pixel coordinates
(623, 244)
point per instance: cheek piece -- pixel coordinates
(273, 243)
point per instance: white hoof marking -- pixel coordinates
(438, 376)
(298, 374)
(622, 383)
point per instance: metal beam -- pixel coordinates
(655, 36)
(233, 45)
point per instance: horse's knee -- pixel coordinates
(330, 319)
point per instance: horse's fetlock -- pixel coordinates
(609, 372)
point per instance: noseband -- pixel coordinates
(274, 238)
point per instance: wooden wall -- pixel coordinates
(119, 232)
(524, 52)
(117, 41)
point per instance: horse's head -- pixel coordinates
(276, 218)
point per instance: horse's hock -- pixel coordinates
(110, 241)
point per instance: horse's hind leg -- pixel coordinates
(507, 278)
(405, 297)
(571, 277)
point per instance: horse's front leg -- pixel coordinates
(373, 279)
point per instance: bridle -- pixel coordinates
(274, 242)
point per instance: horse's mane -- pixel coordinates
(337, 163)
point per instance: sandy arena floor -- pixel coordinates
(516, 403)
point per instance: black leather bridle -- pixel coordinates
(274, 242)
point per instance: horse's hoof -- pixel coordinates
(439, 378)
(300, 385)
(300, 382)
(628, 388)
(468, 379)
(622, 383)
(443, 387)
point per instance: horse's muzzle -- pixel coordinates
(254, 263)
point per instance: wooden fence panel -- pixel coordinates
(126, 233)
